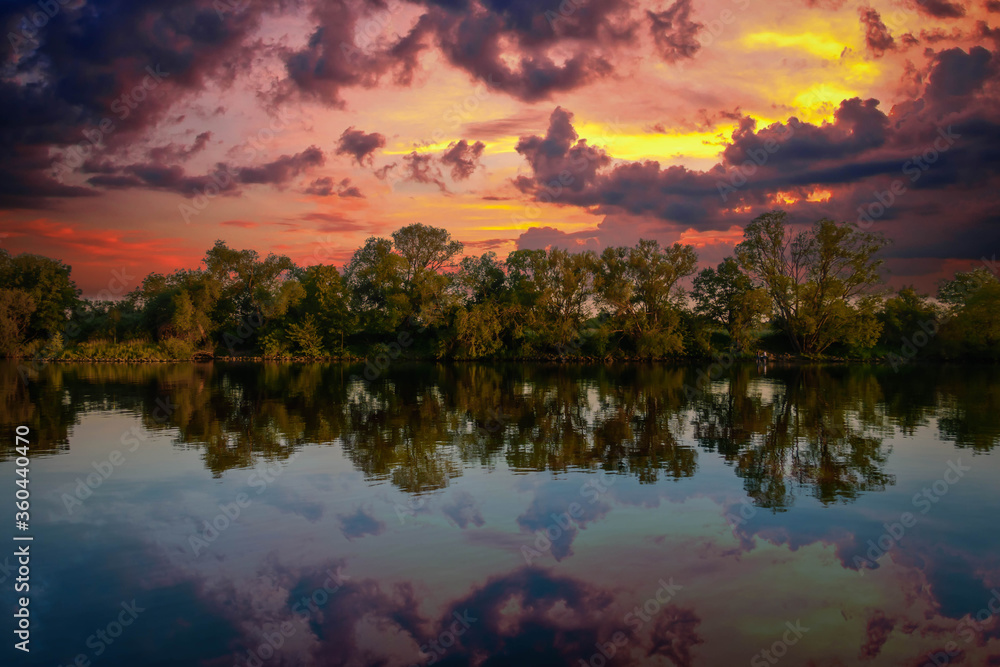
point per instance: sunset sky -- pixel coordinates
(135, 134)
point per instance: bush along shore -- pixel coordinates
(416, 296)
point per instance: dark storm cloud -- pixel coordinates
(561, 156)
(96, 61)
(942, 9)
(567, 170)
(175, 153)
(360, 145)
(957, 73)
(333, 59)
(167, 178)
(941, 147)
(284, 169)
(173, 178)
(93, 62)
(877, 35)
(463, 158)
(326, 186)
(422, 168)
(675, 34)
(484, 37)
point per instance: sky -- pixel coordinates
(136, 134)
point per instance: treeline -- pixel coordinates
(813, 293)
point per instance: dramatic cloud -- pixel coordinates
(513, 46)
(174, 153)
(103, 72)
(423, 168)
(284, 169)
(108, 99)
(360, 145)
(942, 9)
(674, 32)
(833, 169)
(223, 179)
(326, 186)
(333, 60)
(877, 36)
(463, 158)
(561, 158)
(958, 73)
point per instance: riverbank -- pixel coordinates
(379, 359)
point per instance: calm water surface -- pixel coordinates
(212, 514)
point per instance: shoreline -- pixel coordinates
(783, 360)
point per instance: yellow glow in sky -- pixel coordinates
(824, 46)
(633, 145)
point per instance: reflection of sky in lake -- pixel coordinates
(410, 565)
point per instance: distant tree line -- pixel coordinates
(812, 293)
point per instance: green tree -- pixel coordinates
(956, 292)
(822, 281)
(375, 277)
(184, 304)
(554, 290)
(482, 279)
(48, 283)
(426, 251)
(637, 287)
(306, 336)
(903, 314)
(973, 330)
(326, 301)
(726, 296)
(252, 289)
(479, 330)
(16, 308)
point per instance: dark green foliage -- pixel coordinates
(411, 297)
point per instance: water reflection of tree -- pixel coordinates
(819, 431)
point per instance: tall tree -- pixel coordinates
(16, 307)
(481, 279)
(48, 283)
(554, 291)
(374, 279)
(326, 301)
(253, 286)
(956, 292)
(905, 314)
(638, 288)
(726, 296)
(424, 248)
(822, 281)
(426, 252)
(973, 331)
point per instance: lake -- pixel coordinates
(506, 514)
